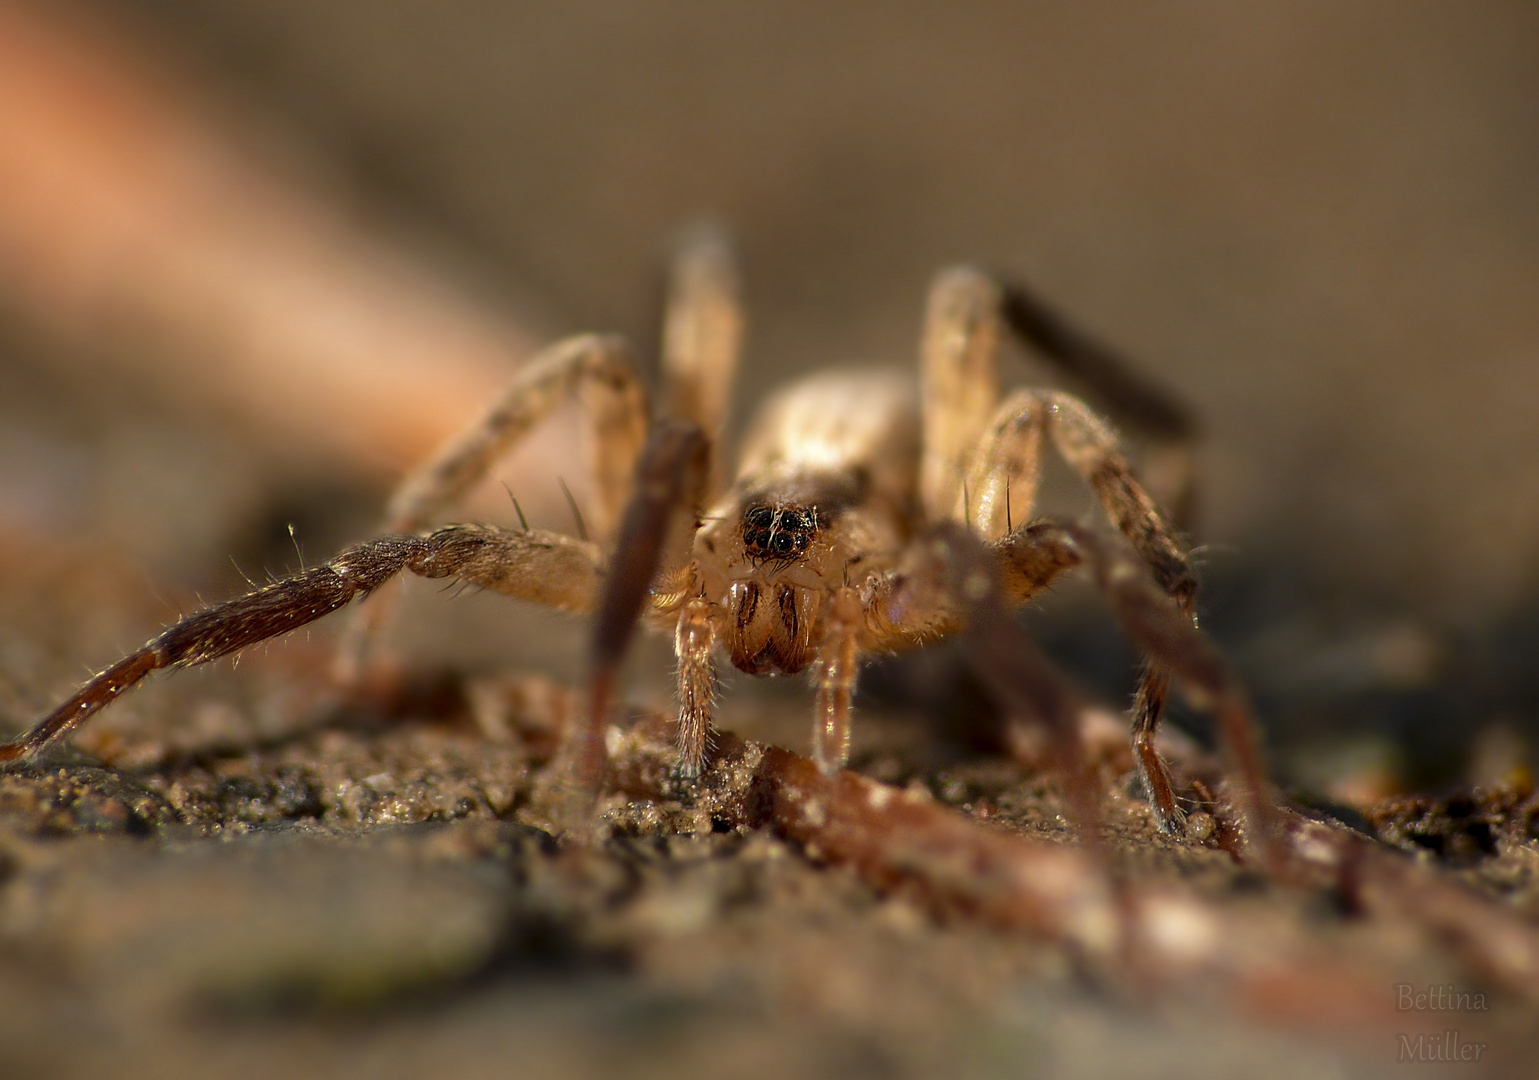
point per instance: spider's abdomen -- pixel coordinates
(838, 423)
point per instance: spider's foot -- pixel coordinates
(1171, 820)
(691, 766)
(1168, 817)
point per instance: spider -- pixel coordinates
(803, 562)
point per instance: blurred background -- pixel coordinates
(258, 257)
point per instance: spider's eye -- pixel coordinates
(761, 518)
(751, 538)
(801, 541)
(792, 520)
(783, 543)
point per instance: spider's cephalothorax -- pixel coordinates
(805, 523)
(820, 551)
(770, 618)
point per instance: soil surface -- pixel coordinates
(272, 878)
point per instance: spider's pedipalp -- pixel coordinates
(1030, 559)
(837, 665)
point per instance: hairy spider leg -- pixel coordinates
(652, 555)
(1129, 398)
(1007, 463)
(978, 456)
(1163, 627)
(594, 370)
(702, 338)
(947, 585)
(958, 384)
(542, 567)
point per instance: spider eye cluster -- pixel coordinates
(772, 534)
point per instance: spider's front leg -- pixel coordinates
(982, 456)
(954, 581)
(546, 568)
(702, 340)
(1005, 468)
(594, 370)
(1165, 631)
(1135, 402)
(651, 562)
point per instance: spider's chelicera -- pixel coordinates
(819, 550)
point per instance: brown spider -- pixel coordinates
(811, 558)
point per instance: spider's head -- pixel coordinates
(777, 534)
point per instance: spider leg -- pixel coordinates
(979, 456)
(959, 383)
(543, 567)
(953, 582)
(946, 585)
(651, 559)
(976, 449)
(1005, 467)
(598, 372)
(702, 337)
(836, 668)
(1090, 446)
(1007, 461)
(694, 640)
(1132, 400)
(1162, 626)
